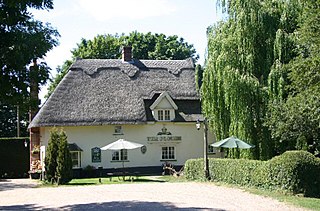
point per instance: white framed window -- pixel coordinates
(76, 159)
(211, 149)
(118, 129)
(168, 153)
(160, 115)
(120, 155)
(166, 114)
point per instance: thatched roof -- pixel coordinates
(110, 91)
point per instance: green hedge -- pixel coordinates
(14, 157)
(296, 172)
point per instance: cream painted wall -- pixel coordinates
(164, 104)
(87, 137)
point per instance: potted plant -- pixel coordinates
(36, 169)
(35, 149)
(35, 173)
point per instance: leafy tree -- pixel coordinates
(64, 162)
(245, 54)
(294, 121)
(51, 155)
(199, 76)
(144, 46)
(261, 82)
(22, 39)
(8, 121)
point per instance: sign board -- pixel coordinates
(96, 155)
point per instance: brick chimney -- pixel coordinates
(127, 54)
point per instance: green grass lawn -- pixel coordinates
(299, 201)
(114, 180)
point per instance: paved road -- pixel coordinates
(22, 194)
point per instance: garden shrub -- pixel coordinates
(194, 169)
(233, 171)
(64, 161)
(58, 163)
(296, 172)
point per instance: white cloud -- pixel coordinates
(103, 10)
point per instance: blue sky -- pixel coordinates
(76, 19)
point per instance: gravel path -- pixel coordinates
(22, 195)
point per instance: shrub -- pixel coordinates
(194, 169)
(51, 155)
(296, 172)
(58, 163)
(64, 161)
(234, 171)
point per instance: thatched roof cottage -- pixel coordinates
(151, 102)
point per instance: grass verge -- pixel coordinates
(109, 180)
(298, 201)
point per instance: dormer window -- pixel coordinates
(163, 108)
(164, 115)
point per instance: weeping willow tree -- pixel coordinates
(244, 73)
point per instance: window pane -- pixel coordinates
(75, 159)
(118, 129)
(124, 154)
(168, 153)
(164, 152)
(115, 155)
(171, 153)
(160, 115)
(167, 115)
(211, 149)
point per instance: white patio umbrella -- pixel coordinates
(121, 144)
(232, 142)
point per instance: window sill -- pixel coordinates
(76, 168)
(119, 161)
(168, 160)
(118, 134)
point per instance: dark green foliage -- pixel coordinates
(8, 120)
(64, 162)
(199, 76)
(14, 157)
(58, 161)
(51, 155)
(144, 46)
(294, 121)
(22, 39)
(262, 75)
(296, 172)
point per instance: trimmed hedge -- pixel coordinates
(296, 172)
